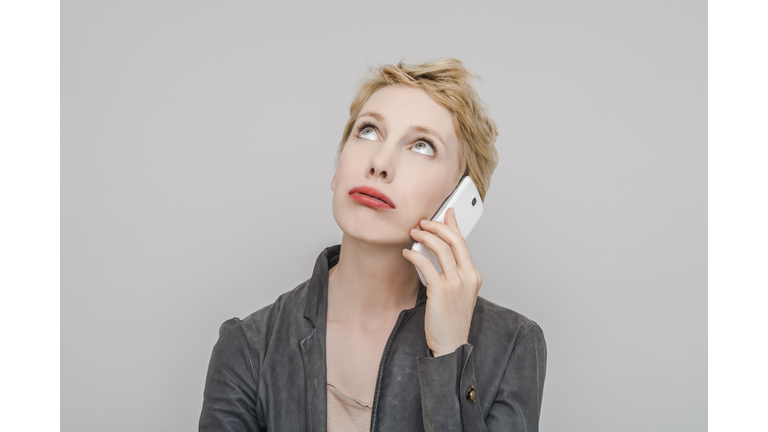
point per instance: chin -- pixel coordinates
(376, 233)
(379, 240)
(366, 227)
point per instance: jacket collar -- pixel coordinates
(313, 344)
(318, 285)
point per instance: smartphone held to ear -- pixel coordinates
(467, 207)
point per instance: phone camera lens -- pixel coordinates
(474, 201)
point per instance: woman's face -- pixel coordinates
(404, 148)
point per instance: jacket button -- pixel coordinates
(470, 393)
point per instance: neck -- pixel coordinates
(370, 282)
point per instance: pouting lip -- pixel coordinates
(365, 190)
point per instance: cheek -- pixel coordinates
(342, 167)
(350, 159)
(428, 199)
(347, 176)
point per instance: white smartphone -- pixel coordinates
(467, 206)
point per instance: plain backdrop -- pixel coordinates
(198, 142)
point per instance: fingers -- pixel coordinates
(423, 264)
(450, 220)
(452, 237)
(439, 247)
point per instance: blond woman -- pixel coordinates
(363, 344)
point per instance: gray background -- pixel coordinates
(189, 130)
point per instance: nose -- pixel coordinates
(383, 163)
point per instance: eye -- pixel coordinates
(369, 133)
(424, 148)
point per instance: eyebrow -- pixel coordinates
(416, 128)
(429, 131)
(375, 115)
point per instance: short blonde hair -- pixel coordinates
(447, 82)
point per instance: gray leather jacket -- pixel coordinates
(267, 371)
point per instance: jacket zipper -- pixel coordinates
(377, 392)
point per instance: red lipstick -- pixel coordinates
(371, 197)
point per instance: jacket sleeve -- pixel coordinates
(229, 399)
(446, 385)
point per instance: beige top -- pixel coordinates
(347, 414)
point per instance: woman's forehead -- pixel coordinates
(409, 106)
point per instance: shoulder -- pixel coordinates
(243, 344)
(287, 312)
(492, 323)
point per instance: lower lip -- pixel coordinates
(370, 202)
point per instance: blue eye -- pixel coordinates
(424, 148)
(369, 133)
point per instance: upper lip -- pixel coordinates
(372, 192)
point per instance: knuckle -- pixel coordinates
(471, 283)
(444, 247)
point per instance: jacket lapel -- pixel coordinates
(313, 355)
(313, 344)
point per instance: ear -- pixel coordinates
(333, 182)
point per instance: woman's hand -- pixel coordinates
(451, 295)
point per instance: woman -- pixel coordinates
(363, 345)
